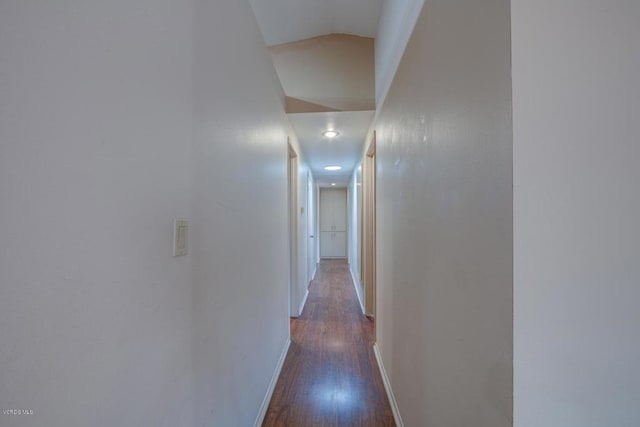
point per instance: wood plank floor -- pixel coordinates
(330, 376)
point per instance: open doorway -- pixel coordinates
(368, 265)
(292, 182)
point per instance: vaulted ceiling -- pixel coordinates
(285, 21)
(327, 75)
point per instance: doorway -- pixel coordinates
(292, 183)
(311, 228)
(369, 228)
(333, 223)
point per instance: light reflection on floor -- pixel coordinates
(330, 376)
(336, 344)
(340, 395)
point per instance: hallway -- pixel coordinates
(161, 170)
(330, 376)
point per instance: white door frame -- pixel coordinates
(292, 186)
(369, 227)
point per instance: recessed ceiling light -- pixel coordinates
(332, 168)
(330, 133)
(333, 183)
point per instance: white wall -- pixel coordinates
(444, 235)
(397, 21)
(576, 210)
(115, 118)
(95, 152)
(240, 222)
(312, 213)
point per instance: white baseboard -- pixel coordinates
(304, 301)
(387, 387)
(358, 291)
(272, 385)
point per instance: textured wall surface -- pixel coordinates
(241, 250)
(115, 118)
(576, 209)
(95, 156)
(444, 249)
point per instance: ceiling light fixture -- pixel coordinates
(330, 133)
(332, 168)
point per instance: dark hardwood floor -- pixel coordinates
(330, 376)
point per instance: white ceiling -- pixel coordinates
(284, 21)
(344, 150)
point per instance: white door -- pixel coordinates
(333, 223)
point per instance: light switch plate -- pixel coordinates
(180, 236)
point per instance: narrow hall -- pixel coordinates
(330, 376)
